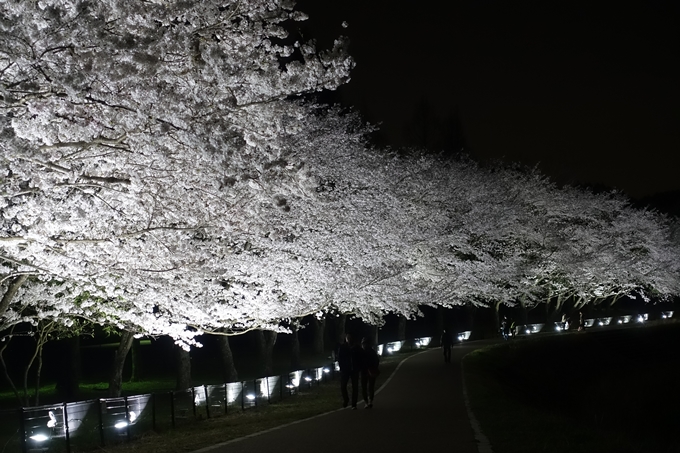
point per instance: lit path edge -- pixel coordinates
(421, 406)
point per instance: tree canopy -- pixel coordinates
(162, 171)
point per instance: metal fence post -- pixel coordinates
(66, 430)
(153, 411)
(172, 408)
(207, 401)
(255, 389)
(101, 422)
(127, 418)
(193, 400)
(22, 428)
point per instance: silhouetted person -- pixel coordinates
(349, 359)
(446, 343)
(581, 321)
(505, 328)
(369, 371)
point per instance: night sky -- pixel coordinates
(588, 91)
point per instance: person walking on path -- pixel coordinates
(446, 343)
(349, 360)
(370, 370)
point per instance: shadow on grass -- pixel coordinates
(598, 391)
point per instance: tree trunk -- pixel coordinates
(401, 328)
(116, 379)
(8, 378)
(295, 362)
(134, 375)
(68, 379)
(373, 331)
(183, 368)
(439, 325)
(12, 289)
(265, 346)
(318, 330)
(38, 372)
(340, 321)
(229, 373)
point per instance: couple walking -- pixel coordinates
(358, 362)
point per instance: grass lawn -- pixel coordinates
(595, 391)
(193, 434)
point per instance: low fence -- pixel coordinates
(88, 425)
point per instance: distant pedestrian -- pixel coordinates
(370, 370)
(350, 365)
(581, 322)
(505, 327)
(446, 343)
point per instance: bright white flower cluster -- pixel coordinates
(158, 174)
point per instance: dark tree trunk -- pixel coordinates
(229, 373)
(438, 325)
(371, 332)
(483, 323)
(134, 376)
(401, 328)
(295, 362)
(340, 321)
(116, 379)
(265, 346)
(12, 289)
(68, 379)
(182, 368)
(318, 330)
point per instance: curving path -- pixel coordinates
(421, 407)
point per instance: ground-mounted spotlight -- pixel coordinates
(326, 370)
(308, 379)
(250, 396)
(124, 423)
(666, 314)
(120, 425)
(39, 437)
(423, 342)
(462, 336)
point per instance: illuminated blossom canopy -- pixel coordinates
(161, 171)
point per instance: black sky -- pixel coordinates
(587, 90)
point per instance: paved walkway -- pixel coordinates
(420, 408)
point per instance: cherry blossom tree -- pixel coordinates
(139, 145)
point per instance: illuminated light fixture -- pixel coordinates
(39, 437)
(528, 331)
(423, 342)
(558, 328)
(120, 425)
(308, 379)
(462, 336)
(666, 314)
(326, 370)
(290, 386)
(250, 396)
